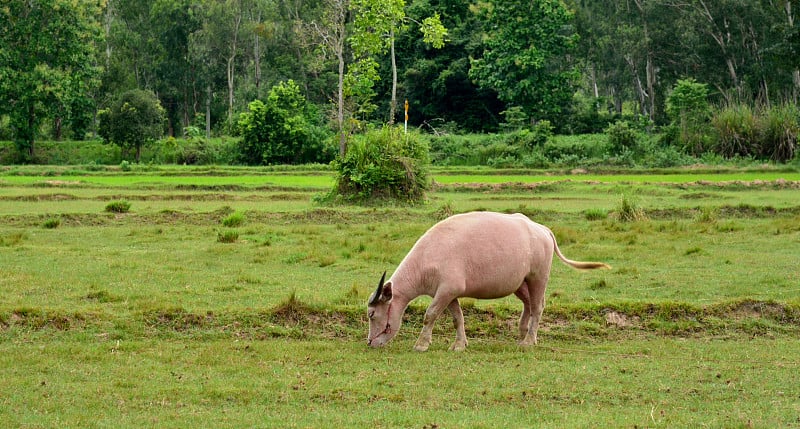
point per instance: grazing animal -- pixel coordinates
(481, 255)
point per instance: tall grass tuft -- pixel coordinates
(628, 210)
(737, 131)
(228, 236)
(233, 220)
(780, 127)
(52, 223)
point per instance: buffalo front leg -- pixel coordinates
(431, 314)
(458, 323)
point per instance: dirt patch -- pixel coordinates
(617, 319)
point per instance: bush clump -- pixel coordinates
(285, 129)
(621, 137)
(384, 164)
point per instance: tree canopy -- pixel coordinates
(207, 60)
(47, 64)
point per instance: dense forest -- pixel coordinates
(462, 66)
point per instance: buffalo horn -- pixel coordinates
(377, 296)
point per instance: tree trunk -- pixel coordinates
(340, 101)
(231, 66)
(208, 112)
(795, 72)
(257, 57)
(651, 85)
(31, 133)
(637, 83)
(393, 102)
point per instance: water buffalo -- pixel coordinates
(481, 255)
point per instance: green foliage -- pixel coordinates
(384, 164)
(132, 121)
(533, 75)
(119, 206)
(515, 119)
(689, 110)
(284, 130)
(621, 137)
(47, 64)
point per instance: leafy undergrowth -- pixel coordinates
(294, 319)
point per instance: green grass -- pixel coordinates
(323, 383)
(148, 318)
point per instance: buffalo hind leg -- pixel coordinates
(524, 321)
(536, 288)
(458, 323)
(438, 305)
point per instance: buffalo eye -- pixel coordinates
(371, 314)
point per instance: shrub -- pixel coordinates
(383, 164)
(687, 106)
(515, 119)
(621, 137)
(120, 206)
(284, 130)
(528, 139)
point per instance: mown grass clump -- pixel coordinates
(119, 206)
(228, 236)
(234, 220)
(595, 214)
(12, 239)
(52, 223)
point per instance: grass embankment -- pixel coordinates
(148, 318)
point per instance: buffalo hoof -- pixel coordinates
(422, 346)
(458, 347)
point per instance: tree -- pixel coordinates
(375, 26)
(135, 119)
(284, 130)
(525, 55)
(687, 106)
(47, 62)
(332, 32)
(436, 82)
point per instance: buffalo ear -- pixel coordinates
(386, 295)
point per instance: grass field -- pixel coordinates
(229, 298)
